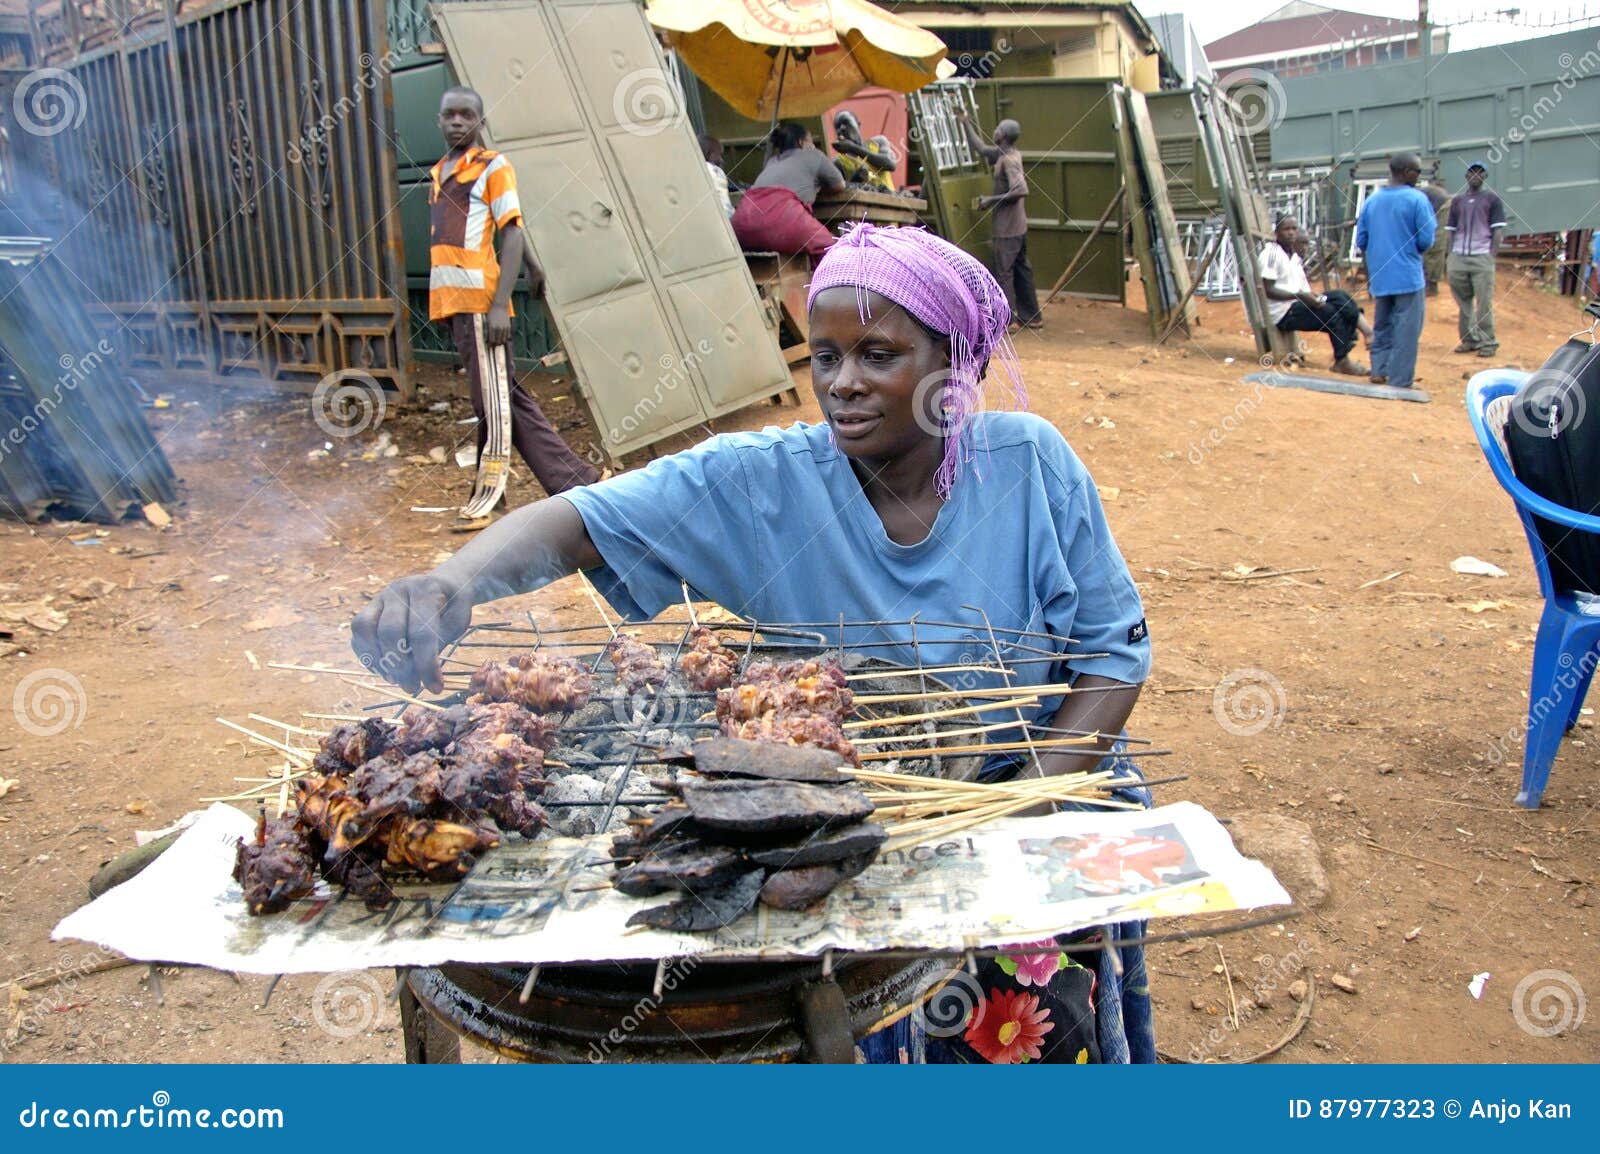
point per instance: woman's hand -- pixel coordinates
(399, 634)
(401, 631)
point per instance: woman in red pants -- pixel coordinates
(775, 213)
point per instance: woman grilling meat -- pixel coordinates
(908, 500)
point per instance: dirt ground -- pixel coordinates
(1388, 691)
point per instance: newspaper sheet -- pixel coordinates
(1016, 880)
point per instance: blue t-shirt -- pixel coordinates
(774, 525)
(1396, 226)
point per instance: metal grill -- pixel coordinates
(617, 730)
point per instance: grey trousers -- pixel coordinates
(1472, 284)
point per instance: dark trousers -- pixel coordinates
(1396, 328)
(555, 464)
(1015, 274)
(1338, 318)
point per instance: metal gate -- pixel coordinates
(221, 178)
(1069, 151)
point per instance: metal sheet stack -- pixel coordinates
(72, 440)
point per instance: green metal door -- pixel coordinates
(1069, 152)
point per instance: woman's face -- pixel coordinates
(879, 381)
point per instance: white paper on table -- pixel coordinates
(1015, 880)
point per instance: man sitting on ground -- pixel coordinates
(1293, 307)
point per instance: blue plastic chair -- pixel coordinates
(1568, 645)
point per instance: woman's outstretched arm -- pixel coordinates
(401, 631)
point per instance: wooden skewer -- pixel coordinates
(350, 717)
(293, 668)
(1012, 691)
(967, 732)
(298, 754)
(988, 788)
(391, 691)
(952, 750)
(908, 671)
(882, 722)
(687, 603)
(286, 727)
(594, 596)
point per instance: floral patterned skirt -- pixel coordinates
(1038, 1003)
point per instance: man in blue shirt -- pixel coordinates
(1397, 225)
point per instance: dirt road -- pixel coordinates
(1368, 692)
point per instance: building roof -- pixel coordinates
(1299, 28)
(1124, 8)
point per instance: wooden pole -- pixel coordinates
(1210, 255)
(1077, 257)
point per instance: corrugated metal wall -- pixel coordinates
(1530, 110)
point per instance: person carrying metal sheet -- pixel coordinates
(774, 215)
(1395, 228)
(1294, 308)
(1476, 225)
(1008, 206)
(472, 196)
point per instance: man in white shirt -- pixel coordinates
(1293, 307)
(711, 149)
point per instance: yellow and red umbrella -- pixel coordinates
(807, 55)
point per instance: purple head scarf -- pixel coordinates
(951, 293)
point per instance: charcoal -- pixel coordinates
(709, 909)
(747, 810)
(689, 867)
(733, 757)
(822, 848)
(798, 889)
